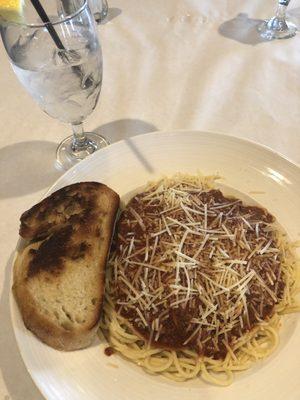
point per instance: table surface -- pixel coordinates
(168, 64)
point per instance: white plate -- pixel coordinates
(249, 168)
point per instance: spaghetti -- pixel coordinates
(197, 282)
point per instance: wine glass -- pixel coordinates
(278, 27)
(60, 64)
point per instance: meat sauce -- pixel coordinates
(170, 323)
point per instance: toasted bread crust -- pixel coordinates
(71, 204)
(70, 232)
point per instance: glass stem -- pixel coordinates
(79, 137)
(281, 9)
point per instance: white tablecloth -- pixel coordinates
(168, 64)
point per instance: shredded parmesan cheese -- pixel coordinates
(191, 258)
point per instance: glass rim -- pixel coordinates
(44, 24)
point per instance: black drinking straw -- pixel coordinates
(50, 28)
(44, 17)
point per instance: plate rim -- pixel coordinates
(138, 137)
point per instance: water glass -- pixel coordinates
(60, 64)
(100, 9)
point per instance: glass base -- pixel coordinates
(68, 155)
(276, 28)
(100, 10)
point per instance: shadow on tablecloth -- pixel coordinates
(124, 129)
(112, 13)
(242, 29)
(27, 167)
